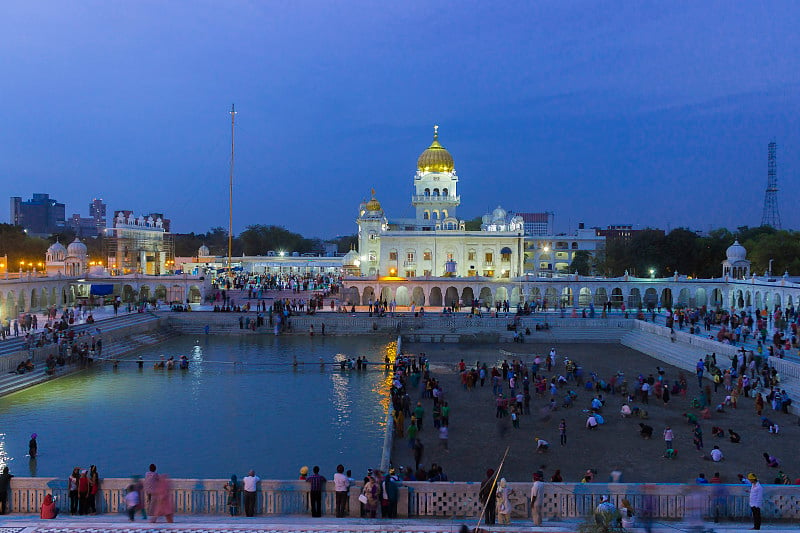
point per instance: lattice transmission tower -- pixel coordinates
(771, 216)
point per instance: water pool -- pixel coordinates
(211, 420)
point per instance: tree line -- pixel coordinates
(256, 239)
(681, 250)
(689, 253)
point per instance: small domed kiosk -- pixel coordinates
(736, 264)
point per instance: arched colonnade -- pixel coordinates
(554, 293)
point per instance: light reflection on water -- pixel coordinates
(212, 420)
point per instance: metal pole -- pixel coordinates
(230, 195)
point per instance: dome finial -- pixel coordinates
(435, 132)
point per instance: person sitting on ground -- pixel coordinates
(588, 477)
(782, 479)
(626, 510)
(774, 428)
(591, 422)
(541, 445)
(734, 437)
(606, 515)
(645, 431)
(49, 510)
(597, 404)
(717, 431)
(771, 460)
(691, 418)
(671, 453)
(625, 411)
(701, 479)
(715, 455)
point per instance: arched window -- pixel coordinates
(444, 192)
(427, 192)
(436, 192)
(444, 213)
(426, 215)
(436, 215)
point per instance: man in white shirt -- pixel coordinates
(340, 483)
(249, 483)
(756, 499)
(716, 454)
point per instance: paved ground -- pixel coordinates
(478, 439)
(195, 524)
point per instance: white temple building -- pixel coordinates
(435, 243)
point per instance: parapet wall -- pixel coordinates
(448, 499)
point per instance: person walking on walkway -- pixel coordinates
(150, 478)
(249, 486)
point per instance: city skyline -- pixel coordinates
(645, 114)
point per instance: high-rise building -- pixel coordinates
(41, 216)
(94, 224)
(537, 223)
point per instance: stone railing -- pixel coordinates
(449, 499)
(575, 500)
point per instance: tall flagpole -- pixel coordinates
(230, 196)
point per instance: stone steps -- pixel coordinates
(118, 349)
(685, 357)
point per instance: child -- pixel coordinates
(132, 501)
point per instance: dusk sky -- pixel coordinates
(647, 113)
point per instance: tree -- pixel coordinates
(345, 243)
(473, 224)
(258, 239)
(581, 263)
(679, 251)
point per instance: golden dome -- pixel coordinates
(373, 205)
(435, 158)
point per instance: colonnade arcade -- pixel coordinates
(22, 296)
(742, 295)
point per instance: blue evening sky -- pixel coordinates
(647, 113)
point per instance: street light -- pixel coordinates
(652, 272)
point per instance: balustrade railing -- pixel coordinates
(447, 499)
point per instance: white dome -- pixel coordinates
(350, 258)
(736, 252)
(517, 220)
(487, 218)
(57, 248)
(203, 251)
(77, 249)
(499, 214)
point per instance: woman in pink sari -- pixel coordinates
(163, 504)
